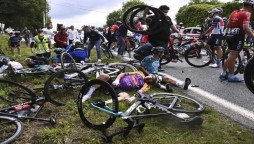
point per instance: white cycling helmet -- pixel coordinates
(249, 2)
(216, 10)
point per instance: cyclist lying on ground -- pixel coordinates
(5, 62)
(124, 82)
(150, 65)
(33, 61)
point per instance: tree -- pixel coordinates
(20, 13)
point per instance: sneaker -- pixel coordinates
(99, 61)
(223, 77)
(169, 88)
(85, 97)
(215, 65)
(187, 82)
(235, 79)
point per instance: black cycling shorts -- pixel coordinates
(215, 40)
(235, 42)
(15, 44)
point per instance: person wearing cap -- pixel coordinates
(61, 38)
(113, 30)
(95, 39)
(238, 25)
(216, 38)
(161, 38)
(41, 45)
(14, 42)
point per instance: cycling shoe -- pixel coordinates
(235, 79)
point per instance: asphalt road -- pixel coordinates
(232, 99)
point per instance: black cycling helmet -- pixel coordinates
(158, 49)
(163, 7)
(17, 33)
(3, 59)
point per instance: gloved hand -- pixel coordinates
(116, 82)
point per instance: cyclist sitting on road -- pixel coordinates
(238, 26)
(41, 45)
(5, 62)
(14, 42)
(124, 82)
(216, 38)
(150, 65)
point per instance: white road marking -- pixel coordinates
(222, 102)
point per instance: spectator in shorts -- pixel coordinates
(14, 42)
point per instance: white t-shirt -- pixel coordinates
(72, 34)
(14, 64)
(48, 32)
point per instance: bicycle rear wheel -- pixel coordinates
(63, 86)
(10, 129)
(198, 57)
(122, 68)
(67, 61)
(97, 112)
(12, 93)
(105, 50)
(179, 103)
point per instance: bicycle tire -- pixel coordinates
(240, 68)
(183, 104)
(62, 85)
(249, 75)
(92, 118)
(67, 61)
(10, 129)
(12, 93)
(105, 50)
(198, 57)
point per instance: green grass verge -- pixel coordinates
(216, 128)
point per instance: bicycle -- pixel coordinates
(107, 52)
(18, 103)
(101, 110)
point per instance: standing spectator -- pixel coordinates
(41, 45)
(121, 34)
(238, 26)
(26, 35)
(113, 30)
(61, 38)
(72, 34)
(14, 42)
(48, 31)
(94, 39)
(107, 34)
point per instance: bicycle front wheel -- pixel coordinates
(178, 103)
(12, 93)
(67, 61)
(99, 110)
(249, 75)
(10, 129)
(198, 57)
(63, 86)
(105, 50)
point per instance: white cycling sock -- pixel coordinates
(180, 84)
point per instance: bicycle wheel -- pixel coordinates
(238, 66)
(100, 110)
(67, 61)
(10, 129)
(63, 86)
(198, 57)
(179, 103)
(105, 50)
(119, 68)
(249, 75)
(12, 93)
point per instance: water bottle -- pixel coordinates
(22, 110)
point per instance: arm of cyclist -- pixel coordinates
(248, 31)
(117, 80)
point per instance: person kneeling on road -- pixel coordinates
(124, 82)
(150, 66)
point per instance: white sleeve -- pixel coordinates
(16, 65)
(3, 68)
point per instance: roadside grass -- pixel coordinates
(216, 127)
